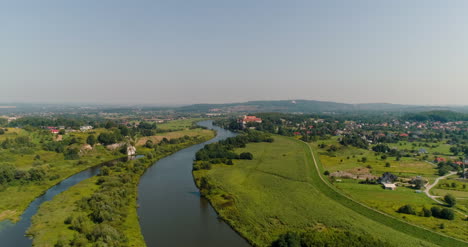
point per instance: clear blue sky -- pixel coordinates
(166, 52)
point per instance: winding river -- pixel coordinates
(13, 235)
(171, 211)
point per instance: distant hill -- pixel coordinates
(310, 106)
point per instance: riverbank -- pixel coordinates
(14, 200)
(123, 219)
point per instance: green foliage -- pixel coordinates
(354, 140)
(444, 213)
(7, 173)
(450, 200)
(328, 238)
(406, 209)
(288, 240)
(246, 156)
(91, 140)
(223, 149)
(426, 212)
(71, 154)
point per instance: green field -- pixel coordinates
(179, 124)
(280, 191)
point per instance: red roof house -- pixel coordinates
(440, 159)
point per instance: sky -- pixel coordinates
(217, 51)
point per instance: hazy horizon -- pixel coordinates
(179, 52)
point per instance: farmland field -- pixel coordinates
(280, 191)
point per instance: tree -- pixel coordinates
(447, 214)
(418, 183)
(450, 200)
(406, 209)
(435, 211)
(288, 240)
(91, 140)
(149, 144)
(246, 156)
(7, 173)
(37, 174)
(426, 212)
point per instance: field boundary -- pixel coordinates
(386, 219)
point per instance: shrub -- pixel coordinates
(406, 209)
(326, 173)
(447, 214)
(246, 156)
(426, 212)
(450, 200)
(435, 211)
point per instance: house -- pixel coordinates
(251, 119)
(54, 131)
(86, 128)
(423, 151)
(439, 159)
(389, 186)
(404, 135)
(248, 119)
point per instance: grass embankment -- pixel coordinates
(280, 191)
(49, 227)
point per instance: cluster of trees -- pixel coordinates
(329, 237)
(106, 209)
(459, 149)
(354, 140)
(18, 142)
(222, 152)
(442, 116)
(10, 175)
(438, 212)
(445, 167)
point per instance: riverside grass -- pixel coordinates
(280, 190)
(48, 225)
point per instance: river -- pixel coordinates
(171, 211)
(13, 235)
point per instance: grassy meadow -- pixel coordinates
(280, 191)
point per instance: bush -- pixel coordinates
(246, 156)
(326, 173)
(426, 212)
(450, 200)
(407, 209)
(436, 211)
(447, 214)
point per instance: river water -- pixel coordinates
(171, 211)
(13, 235)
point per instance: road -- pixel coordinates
(430, 186)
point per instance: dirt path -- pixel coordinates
(430, 186)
